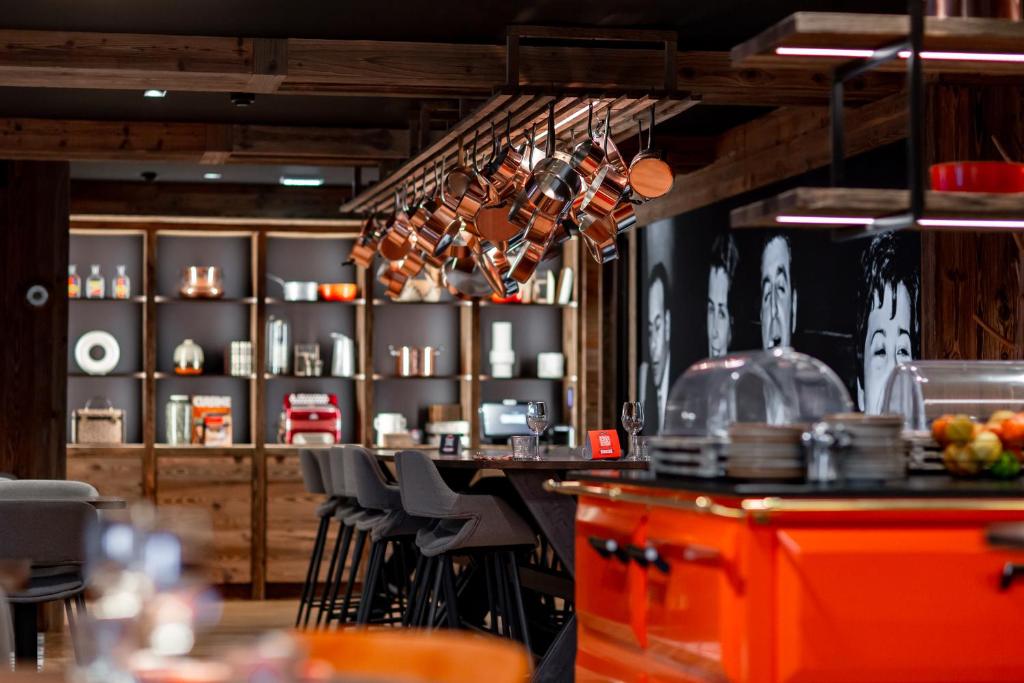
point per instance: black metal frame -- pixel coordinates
(915, 124)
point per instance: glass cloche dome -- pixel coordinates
(777, 387)
(922, 391)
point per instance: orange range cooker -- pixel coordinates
(686, 582)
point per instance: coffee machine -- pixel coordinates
(310, 420)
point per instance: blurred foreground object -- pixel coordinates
(414, 657)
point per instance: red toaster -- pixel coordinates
(310, 420)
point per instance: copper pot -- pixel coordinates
(649, 175)
(995, 9)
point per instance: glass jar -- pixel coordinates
(188, 358)
(95, 285)
(122, 288)
(74, 282)
(179, 414)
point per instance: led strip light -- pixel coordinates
(1007, 224)
(1012, 57)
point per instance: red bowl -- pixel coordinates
(978, 176)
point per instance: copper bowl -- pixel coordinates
(201, 282)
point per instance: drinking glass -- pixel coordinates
(633, 423)
(537, 421)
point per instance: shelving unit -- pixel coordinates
(854, 44)
(252, 489)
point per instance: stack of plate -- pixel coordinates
(686, 456)
(875, 448)
(764, 451)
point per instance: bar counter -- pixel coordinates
(702, 580)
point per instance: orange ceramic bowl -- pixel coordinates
(338, 291)
(978, 176)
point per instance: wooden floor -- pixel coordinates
(242, 622)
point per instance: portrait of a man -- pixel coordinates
(654, 378)
(724, 257)
(887, 321)
(778, 295)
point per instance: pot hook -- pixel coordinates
(549, 146)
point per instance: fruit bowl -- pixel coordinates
(978, 176)
(973, 449)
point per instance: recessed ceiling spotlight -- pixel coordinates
(211, 175)
(291, 181)
(242, 99)
(153, 92)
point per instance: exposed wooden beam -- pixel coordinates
(781, 145)
(355, 67)
(208, 200)
(211, 143)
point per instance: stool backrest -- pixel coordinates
(46, 489)
(312, 478)
(323, 460)
(364, 474)
(424, 492)
(340, 483)
(46, 532)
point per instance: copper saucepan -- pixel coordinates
(649, 175)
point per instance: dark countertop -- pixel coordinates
(915, 486)
(553, 458)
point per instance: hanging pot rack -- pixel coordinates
(519, 111)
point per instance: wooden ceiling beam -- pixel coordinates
(107, 198)
(775, 147)
(210, 143)
(390, 68)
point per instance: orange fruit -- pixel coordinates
(1013, 431)
(939, 429)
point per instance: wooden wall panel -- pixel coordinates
(219, 487)
(114, 475)
(291, 520)
(971, 284)
(33, 369)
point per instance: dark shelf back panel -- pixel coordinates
(211, 325)
(411, 398)
(122, 392)
(416, 326)
(319, 260)
(108, 252)
(237, 389)
(344, 389)
(120, 318)
(535, 329)
(232, 254)
(549, 391)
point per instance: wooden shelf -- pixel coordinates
(450, 378)
(943, 210)
(206, 375)
(856, 31)
(110, 375)
(112, 450)
(456, 302)
(141, 299)
(160, 299)
(485, 302)
(270, 301)
(269, 377)
(195, 450)
(489, 378)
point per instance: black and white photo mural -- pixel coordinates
(707, 291)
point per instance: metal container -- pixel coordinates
(428, 360)
(178, 412)
(278, 345)
(307, 360)
(407, 360)
(343, 356)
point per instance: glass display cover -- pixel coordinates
(924, 390)
(778, 387)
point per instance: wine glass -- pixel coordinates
(633, 423)
(537, 421)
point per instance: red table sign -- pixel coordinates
(603, 444)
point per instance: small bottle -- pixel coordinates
(74, 282)
(95, 285)
(122, 284)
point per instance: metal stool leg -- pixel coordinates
(357, 558)
(313, 571)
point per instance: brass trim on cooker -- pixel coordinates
(760, 508)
